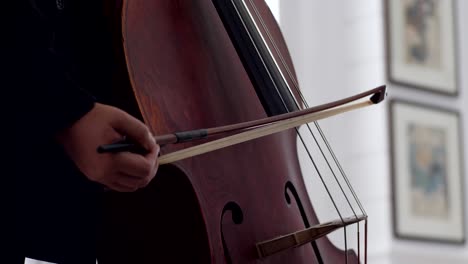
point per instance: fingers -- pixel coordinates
(131, 183)
(133, 164)
(153, 155)
(126, 183)
(127, 125)
(116, 186)
(134, 171)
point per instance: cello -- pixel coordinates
(184, 65)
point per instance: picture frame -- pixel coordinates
(421, 45)
(427, 173)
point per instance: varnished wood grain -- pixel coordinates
(184, 73)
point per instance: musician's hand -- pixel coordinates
(123, 171)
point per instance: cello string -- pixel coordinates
(313, 136)
(344, 176)
(297, 105)
(320, 176)
(296, 86)
(346, 244)
(285, 105)
(342, 170)
(302, 98)
(282, 99)
(321, 134)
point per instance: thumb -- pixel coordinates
(134, 129)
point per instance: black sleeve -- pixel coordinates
(47, 99)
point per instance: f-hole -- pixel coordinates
(289, 186)
(237, 218)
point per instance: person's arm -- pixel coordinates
(46, 96)
(52, 107)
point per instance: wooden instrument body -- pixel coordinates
(179, 70)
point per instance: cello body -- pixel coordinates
(178, 70)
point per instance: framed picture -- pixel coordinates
(421, 50)
(427, 175)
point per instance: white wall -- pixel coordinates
(338, 50)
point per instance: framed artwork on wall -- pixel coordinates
(421, 46)
(427, 174)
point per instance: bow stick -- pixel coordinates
(250, 130)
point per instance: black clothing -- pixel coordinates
(61, 65)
